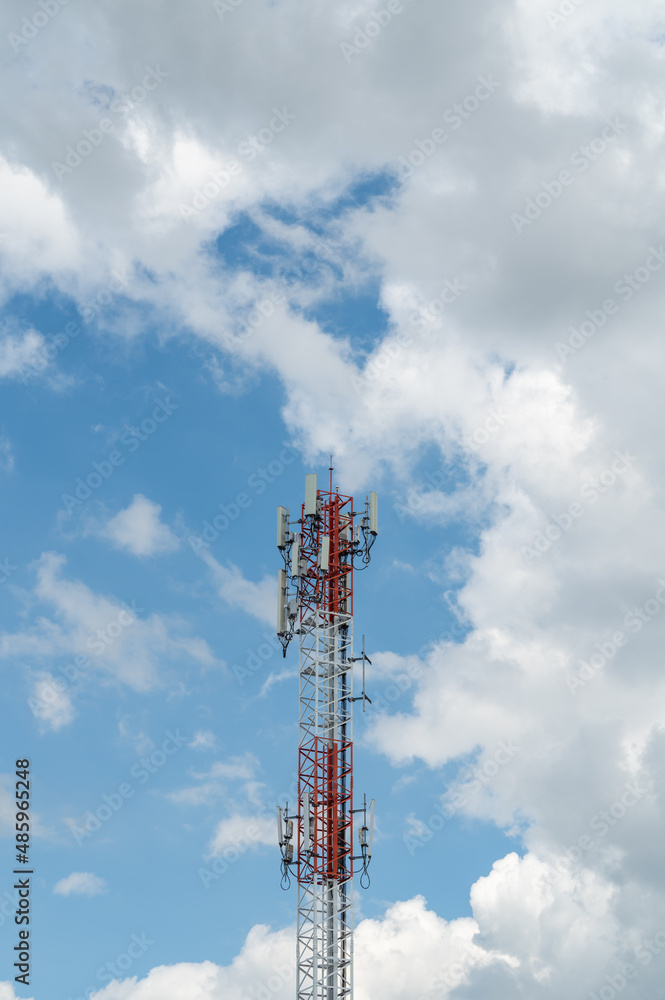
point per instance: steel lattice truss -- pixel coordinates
(321, 558)
(325, 852)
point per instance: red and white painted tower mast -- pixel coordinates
(320, 550)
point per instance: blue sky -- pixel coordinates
(205, 454)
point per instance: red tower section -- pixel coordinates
(325, 772)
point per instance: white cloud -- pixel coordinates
(197, 795)
(21, 353)
(80, 884)
(50, 701)
(242, 833)
(7, 992)
(276, 678)
(203, 739)
(112, 636)
(264, 963)
(244, 767)
(257, 599)
(38, 235)
(533, 932)
(247, 825)
(213, 784)
(138, 529)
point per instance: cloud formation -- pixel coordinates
(80, 884)
(96, 635)
(138, 529)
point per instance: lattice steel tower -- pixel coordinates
(316, 603)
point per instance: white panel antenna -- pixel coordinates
(282, 527)
(307, 833)
(310, 495)
(295, 556)
(281, 602)
(373, 513)
(371, 829)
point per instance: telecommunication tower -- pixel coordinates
(320, 549)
